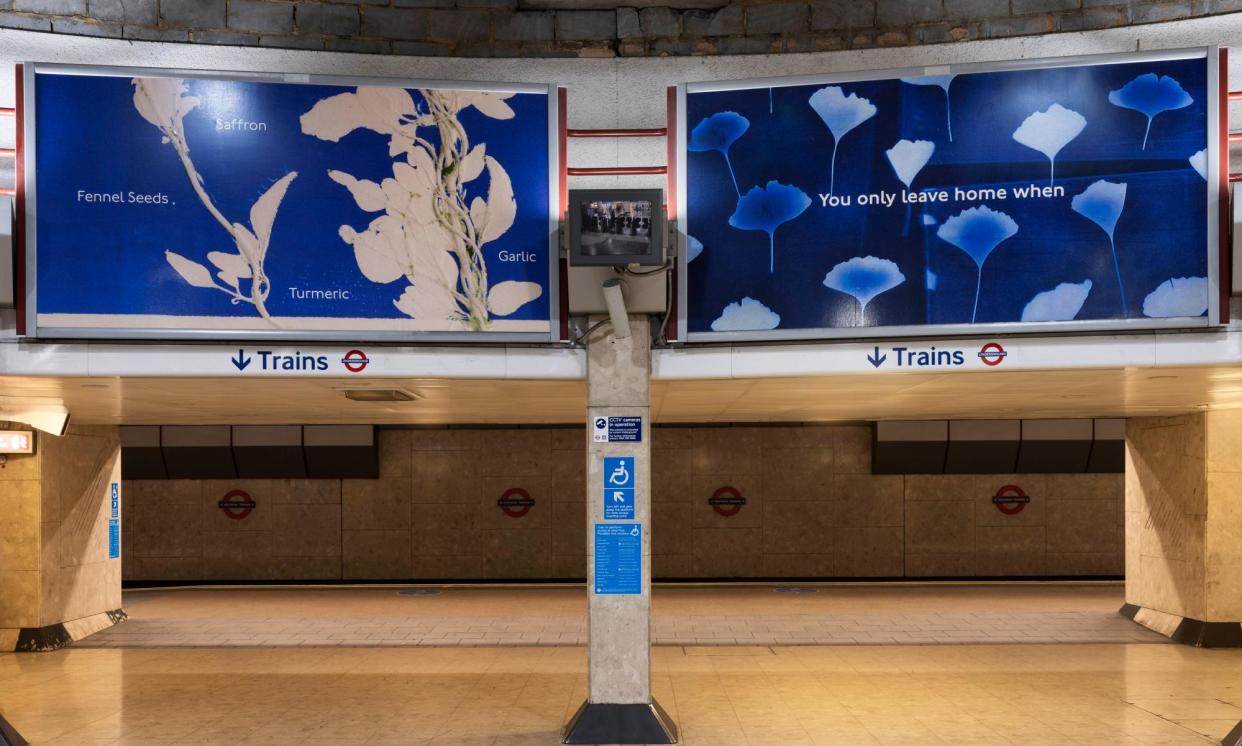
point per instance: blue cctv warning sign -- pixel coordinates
(617, 430)
(619, 481)
(114, 522)
(114, 538)
(618, 559)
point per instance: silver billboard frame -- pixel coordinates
(1211, 57)
(30, 234)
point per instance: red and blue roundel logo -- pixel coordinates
(992, 354)
(355, 361)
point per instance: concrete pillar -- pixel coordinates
(59, 580)
(619, 707)
(1184, 526)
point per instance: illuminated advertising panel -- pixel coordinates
(1044, 195)
(187, 204)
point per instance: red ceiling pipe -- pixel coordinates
(617, 170)
(654, 132)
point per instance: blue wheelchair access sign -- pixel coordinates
(619, 480)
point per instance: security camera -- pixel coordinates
(616, 308)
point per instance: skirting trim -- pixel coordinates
(1185, 630)
(56, 636)
(9, 735)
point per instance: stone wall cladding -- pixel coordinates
(567, 28)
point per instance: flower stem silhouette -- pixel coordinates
(729, 163)
(948, 117)
(978, 286)
(832, 170)
(163, 103)
(1125, 308)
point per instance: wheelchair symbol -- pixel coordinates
(620, 475)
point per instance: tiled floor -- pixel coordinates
(719, 696)
(552, 616)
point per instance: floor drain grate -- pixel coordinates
(419, 592)
(790, 589)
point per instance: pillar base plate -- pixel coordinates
(598, 723)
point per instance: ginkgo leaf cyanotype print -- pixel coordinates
(747, 314)
(163, 103)
(1061, 303)
(943, 81)
(768, 207)
(863, 278)
(433, 225)
(908, 158)
(718, 133)
(1151, 94)
(1102, 203)
(1198, 162)
(1177, 297)
(841, 113)
(977, 231)
(1050, 130)
(694, 247)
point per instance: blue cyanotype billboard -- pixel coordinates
(1055, 194)
(185, 204)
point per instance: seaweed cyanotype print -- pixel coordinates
(863, 278)
(163, 102)
(431, 232)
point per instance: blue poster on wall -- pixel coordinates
(1054, 195)
(252, 206)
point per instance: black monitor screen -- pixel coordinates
(616, 227)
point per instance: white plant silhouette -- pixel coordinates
(163, 103)
(428, 232)
(1050, 130)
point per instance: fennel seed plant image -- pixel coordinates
(428, 229)
(163, 103)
